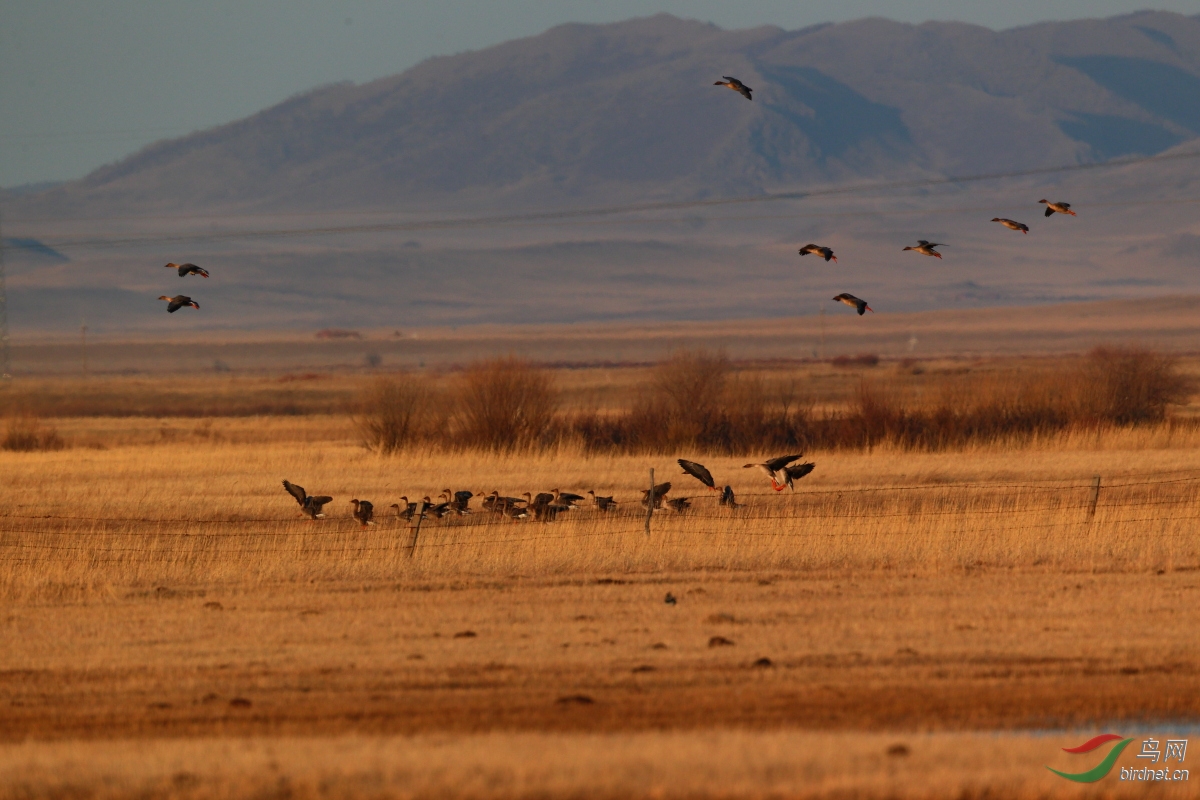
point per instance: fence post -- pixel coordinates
(1095, 497)
(420, 516)
(650, 502)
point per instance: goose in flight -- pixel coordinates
(736, 85)
(602, 503)
(1012, 225)
(179, 301)
(187, 269)
(699, 472)
(795, 473)
(851, 300)
(364, 512)
(824, 252)
(776, 469)
(660, 491)
(308, 503)
(1061, 208)
(926, 248)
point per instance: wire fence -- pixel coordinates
(1159, 504)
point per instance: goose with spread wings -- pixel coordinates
(1057, 208)
(817, 250)
(179, 301)
(187, 269)
(699, 472)
(926, 248)
(309, 504)
(736, 85)
(855, 302)
(660, 491)
(776, 469)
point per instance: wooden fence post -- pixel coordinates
(1095, 497)
(650, 502)
(420, 516)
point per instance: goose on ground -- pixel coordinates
(1061, 208)
(179, 301)
(926, 248)
(309, 504)
(602, 503)
(727, 498)
(736, 85)
(187, 269)
(824, 252)
(405, 509)
(568, 499)
(496, 503)
(438, 510)
(795, 473)
(514, 512)
(364, 512)
(851, 300)
(775, 469)
(1012, 225)
(543, 506)
(680, 504)
(458, 501)
(699, 472)
(660, 491)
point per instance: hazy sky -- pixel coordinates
(84, 82)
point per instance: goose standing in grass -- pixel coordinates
(187, 269)
(1012, 225)
(1059, 208)
(795, 473)
(776, 469)
(543, 506)
(309, 504)
(680, 504)
(514, 512)
(660, 491)
(699, 472)
(179, 301)
(568, 499)
(727, 498)
(857, 303)
(405, 509)
(602, 503)
(459, 502)
(736, 85)
(824, 252)
(926, 248)
(364, 512)
(496, 503)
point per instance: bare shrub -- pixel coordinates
(25, 434)
(393, 413)
(505, 404)
(860, 360)
(1129, 385)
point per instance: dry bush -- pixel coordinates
(505, 404)
(25, 434)
(1129, 385)
(394, 413)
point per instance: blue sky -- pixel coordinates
(85, 82)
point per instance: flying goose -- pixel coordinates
(680, 504)
(795, 473)
(660, 491)
(363, 512)
(699, 472)
(824, 252)
(179, 301)
(776, 469)
(736, 85)
(311, 505)
(187, 269)
(1060, 207)
(727, 498)
(602, 503)
(1012, 225)
(851, 300)
(926, 248)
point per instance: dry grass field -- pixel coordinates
(173, 628)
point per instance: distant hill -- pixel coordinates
(587, 113)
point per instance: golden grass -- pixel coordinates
(692, 764)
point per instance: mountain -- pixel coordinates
(586, 113)
(337, 206)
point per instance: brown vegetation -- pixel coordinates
(26, 434)
(393, 413)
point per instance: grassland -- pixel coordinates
(173, 628)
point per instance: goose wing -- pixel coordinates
(296, 492)
(697, 471)
(776, 464)
(798, 471)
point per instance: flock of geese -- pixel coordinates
(783, 473)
